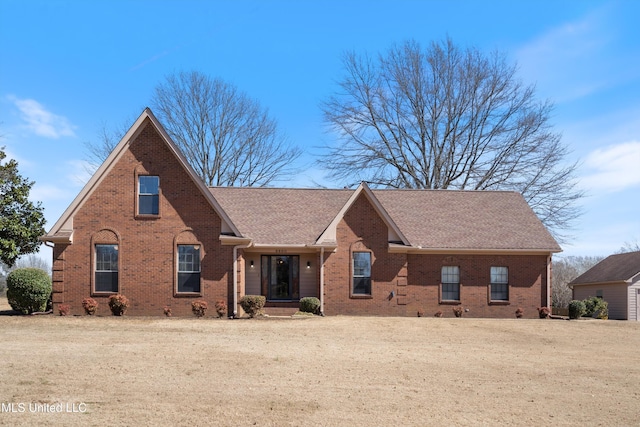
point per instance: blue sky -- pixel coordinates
(68, 67)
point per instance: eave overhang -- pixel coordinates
(400, 248)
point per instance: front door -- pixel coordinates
(280, 277)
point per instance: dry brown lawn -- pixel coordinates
(333, 371)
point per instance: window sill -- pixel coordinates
(146, 216)
(449, 302)
(499, 302)
(103, 294)
(187, 294)
(357, 296)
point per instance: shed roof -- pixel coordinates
(615, 268)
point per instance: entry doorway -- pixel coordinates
(280, 277)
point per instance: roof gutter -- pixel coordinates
(399, 248)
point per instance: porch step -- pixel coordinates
(280, 311)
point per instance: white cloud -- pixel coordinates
(49, 192)
(570, 61)
(613, 168)
(43, 122)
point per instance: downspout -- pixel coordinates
(322, 281)
(235, 277)
(549, 259)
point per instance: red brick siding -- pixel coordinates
(361, 225)
(415, 279)
(146, 246)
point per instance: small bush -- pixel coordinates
(310, 305)
(252, 304)
(199, 308)
(64, 309)
(457, 311)
(576, 309)
(602, 310)
(596, 307)
(118, 304)
(438, 313)
(167, 311)
(543, 312)
(28, 290)
(221, 308)
(519, 312)
(90, 306)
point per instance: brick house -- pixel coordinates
(146, 226)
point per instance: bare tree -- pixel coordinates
(445, 117)
(106, 141)
(564, 271)
(631, 246)
(228, 138)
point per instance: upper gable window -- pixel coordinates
(148, 195)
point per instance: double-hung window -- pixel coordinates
(188, 268)
(499, 284)
(148, 195)
(361, 273)
(106, 268)
(450, 283)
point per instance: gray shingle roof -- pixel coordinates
(431, 219)
(614, 268)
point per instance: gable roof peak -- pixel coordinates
(62, 230)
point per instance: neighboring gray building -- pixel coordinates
(615, 279)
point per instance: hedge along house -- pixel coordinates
(615, 279)
(147, 227)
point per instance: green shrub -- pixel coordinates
(28, 290)
(199, 308)
(118, 304)
(310, 305)
(576, 309)
(596, 307)
(252, 304)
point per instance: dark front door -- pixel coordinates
(280, 275)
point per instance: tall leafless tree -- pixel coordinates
(97, 151)
(566, 269)
(448, 118)
(228, 138)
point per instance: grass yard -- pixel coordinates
(333, 371)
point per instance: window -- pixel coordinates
(106, 271)
(189, 268)
(499, 284)
(148, 195)
(450, 283)
(361, 273)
